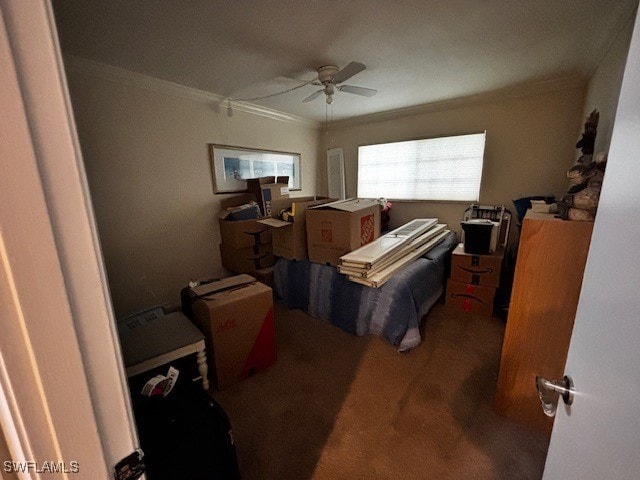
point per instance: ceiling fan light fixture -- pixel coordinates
(329, 90)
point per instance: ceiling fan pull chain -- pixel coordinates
(326, 121)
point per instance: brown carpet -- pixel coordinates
(337, 406)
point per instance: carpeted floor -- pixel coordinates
(337, 406)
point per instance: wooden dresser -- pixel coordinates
(546, 288)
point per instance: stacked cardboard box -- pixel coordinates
(337, 228)
(246, 244)
(236, 317)
(474, 280)
(269, 192)
(290, 237)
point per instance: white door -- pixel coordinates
(598, 437)
(335, 173)
(63, 393)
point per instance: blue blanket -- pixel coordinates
(393, 311)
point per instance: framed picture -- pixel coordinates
(231, 166)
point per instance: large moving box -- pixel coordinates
(290, 238)
(236, 317)
(337, 228)
(246, 244)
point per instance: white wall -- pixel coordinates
(149, 172)
(604, 86)
(529, 145)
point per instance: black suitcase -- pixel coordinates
(185, 435)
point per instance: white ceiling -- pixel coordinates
(416, 51)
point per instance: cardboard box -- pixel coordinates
(337, 228)
(289, 239)
(244, 233)
(470, 298)
(246, 260)
(235, 201)
(265, 275)
(249, 211)
(236, 317)
(476, 269)
(255, 187)
(241, 233)
(274, 198)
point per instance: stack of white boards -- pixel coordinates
(376, 262)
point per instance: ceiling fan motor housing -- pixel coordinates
(326, 73)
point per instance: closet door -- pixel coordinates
(547, 282)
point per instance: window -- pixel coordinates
(445, 168)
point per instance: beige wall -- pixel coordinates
(603, 89)
(529, 146)
(148, 167)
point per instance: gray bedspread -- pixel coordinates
(393, 311)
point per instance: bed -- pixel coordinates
(392, 311)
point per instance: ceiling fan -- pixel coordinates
(330, 77)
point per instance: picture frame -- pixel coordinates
(232, 166)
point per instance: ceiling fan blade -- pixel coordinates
(348, 72)
(313, 96)
(365, 92)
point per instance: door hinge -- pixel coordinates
(131, 467)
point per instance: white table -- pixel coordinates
(154, 340)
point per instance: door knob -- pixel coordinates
(549, 391)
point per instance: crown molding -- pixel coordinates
(523, 90)
(127, 77)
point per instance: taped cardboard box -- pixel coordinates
(236, 317)
(289, 239)
(274, 187)
(246, 260)
(241, 233)
(470, 298)
(337, 228)
(274, 198)
(476, 269)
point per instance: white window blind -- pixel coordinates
(444, 168)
